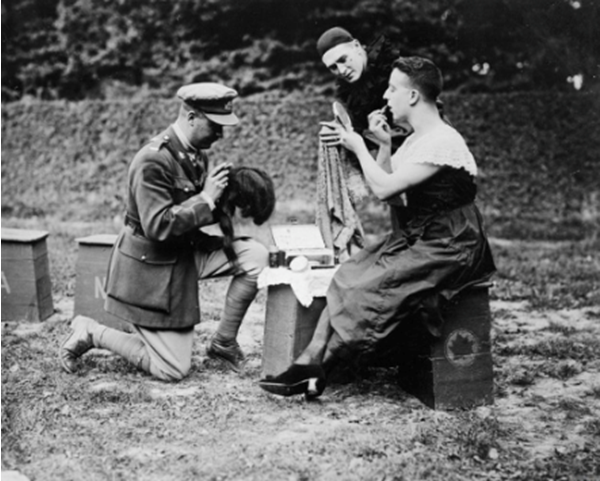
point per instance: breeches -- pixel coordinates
(170, 351)
(252, 258)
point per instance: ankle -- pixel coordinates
(224, 339)
(307, 358)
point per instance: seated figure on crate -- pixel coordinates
(362, 73)
(161, 253)
(437, 246)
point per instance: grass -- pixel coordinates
(550, 275)
(112, 422)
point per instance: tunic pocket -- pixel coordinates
(140, 273)
(183, 189)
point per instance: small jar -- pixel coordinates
(276, 257)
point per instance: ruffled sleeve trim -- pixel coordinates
(443, 149)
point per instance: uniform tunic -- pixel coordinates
(437, 248)
(153, 279)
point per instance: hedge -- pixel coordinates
(538, 155)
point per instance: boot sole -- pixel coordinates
(311, 387)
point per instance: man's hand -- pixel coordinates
(380, 128)
(216, 182)
(337, 135)
(328, 132)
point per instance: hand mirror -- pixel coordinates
(341, 115)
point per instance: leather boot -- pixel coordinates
(77, 342)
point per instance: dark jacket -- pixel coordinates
(366, 94)
(152, 278)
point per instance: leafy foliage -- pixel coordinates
(77, 49)
(537, 156)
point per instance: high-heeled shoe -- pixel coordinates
(307, 379)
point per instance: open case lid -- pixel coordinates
(303, 240)
(297, 236)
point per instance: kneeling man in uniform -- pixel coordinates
(161, 253)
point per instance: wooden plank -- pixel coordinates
(20, 312)
(23, 307)
(289, 327)
(455, 370)
(43, 287)
(27, 236)
(41, 267)
(281, 310)
(21, 290)
(89, 288)
(11, 250)
(97, 240)
(45, 307)
(14, 270)
(26, 286)
(306, 325)
(26, 269)
(92, 266)
(463, 387)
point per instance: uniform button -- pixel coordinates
(143, 258)
(186, 189)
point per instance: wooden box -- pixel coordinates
(454, 370)
(289, 327)
(92, 264)
(26, 285)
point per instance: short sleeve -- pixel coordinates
(443, 149)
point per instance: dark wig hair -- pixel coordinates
(251, 191)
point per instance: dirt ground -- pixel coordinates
(110, 421)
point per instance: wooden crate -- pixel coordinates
(92, 265)
(289, 327)
(454, 370)
(26, 285)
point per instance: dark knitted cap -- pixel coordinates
(331, 38)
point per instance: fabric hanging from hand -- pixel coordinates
(340, 185)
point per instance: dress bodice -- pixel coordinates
(448, 189)
(451, 187)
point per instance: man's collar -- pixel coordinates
(183, 139)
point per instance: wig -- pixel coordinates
(251, 191)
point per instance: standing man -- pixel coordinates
(362, 75)
(161, 252)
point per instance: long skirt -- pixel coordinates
(389, 281)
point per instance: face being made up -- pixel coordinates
(346, 61)
(400, 95)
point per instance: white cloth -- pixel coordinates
(306, 285)
(443, 146)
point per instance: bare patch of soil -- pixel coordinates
(110, 421)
